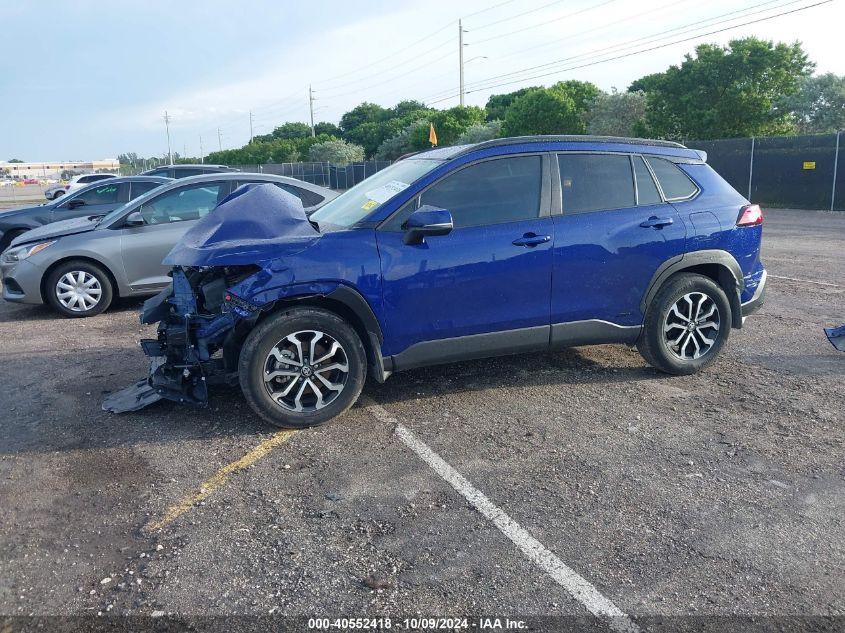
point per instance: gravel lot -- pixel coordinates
(717, 494)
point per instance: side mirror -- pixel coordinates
(427, 221)
(76, 202)
(134, 219)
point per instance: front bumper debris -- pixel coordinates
(201, 325)
(836, 336)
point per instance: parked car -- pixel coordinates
(506, 246)
(78, 266)
(183, 171)
(31, 181)
(96, 199)
(77, 182)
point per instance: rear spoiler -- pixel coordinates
(701, 154)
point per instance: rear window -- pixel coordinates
(309, 198)
(596, 182)
(675, 183)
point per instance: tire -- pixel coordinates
(669, 342)
(58, 194)
(271, 348)
(77, 305)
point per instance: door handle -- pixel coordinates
(656, 223)
(532, 239)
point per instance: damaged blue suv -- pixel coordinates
(509, 246)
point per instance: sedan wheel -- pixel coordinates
(78, 291)
(78, 288)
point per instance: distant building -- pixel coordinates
(54, 170)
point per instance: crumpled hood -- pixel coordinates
(256, 222)
(58, 229)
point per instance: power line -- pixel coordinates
(495, 6)
(646, 50)
(539, 24)
(679, 30)
(513, 17)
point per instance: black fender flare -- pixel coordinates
(353, 301)
(730, 277)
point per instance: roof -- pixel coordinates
(242, 175)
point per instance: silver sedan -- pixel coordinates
(78, 266)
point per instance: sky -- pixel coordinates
(90, 79)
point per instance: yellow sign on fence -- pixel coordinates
(809, 164)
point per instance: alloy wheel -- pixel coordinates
(691, 326)
(78, 291)
(306, 371)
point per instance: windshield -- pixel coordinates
(354, 205)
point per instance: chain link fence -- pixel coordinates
(802, 172)
(338, 177)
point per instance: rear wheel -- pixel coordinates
(687, 325)
(302, 367)
(78, 289)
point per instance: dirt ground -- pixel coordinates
(720, 494)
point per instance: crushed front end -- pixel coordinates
(202, 325)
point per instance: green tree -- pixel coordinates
(479, 132)
(14, 160)
(725, 92)
(497, 105)
(819, 105)
(292, 129)
(361, 114)
(542, 111)
(582, 93)
(402, 143)
(617, 113)
(330, 129)
(338, 152)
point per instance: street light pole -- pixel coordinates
(167, 127)
(311, 108)
(461, 60)
(219, 139)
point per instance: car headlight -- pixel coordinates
(22, 252)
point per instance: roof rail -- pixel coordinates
(572, 138)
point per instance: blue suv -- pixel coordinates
(514, 245)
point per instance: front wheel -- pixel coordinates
(78, 289)
(686, 326)
(302, 367)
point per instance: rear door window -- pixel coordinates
(596, 182)
(142, 187)
(675, 183)
(107, 193)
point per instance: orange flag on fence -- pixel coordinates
(432, 135)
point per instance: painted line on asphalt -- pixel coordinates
(805, 281)
(577, 586)
(219, 479)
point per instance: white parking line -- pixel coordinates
(805, 281)
(578, 587)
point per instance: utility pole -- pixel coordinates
(311, 108)
(167, 127)
(202, 154)
(219, 139)
(461, 59)
(250, 126)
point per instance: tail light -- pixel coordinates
(750, 215)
